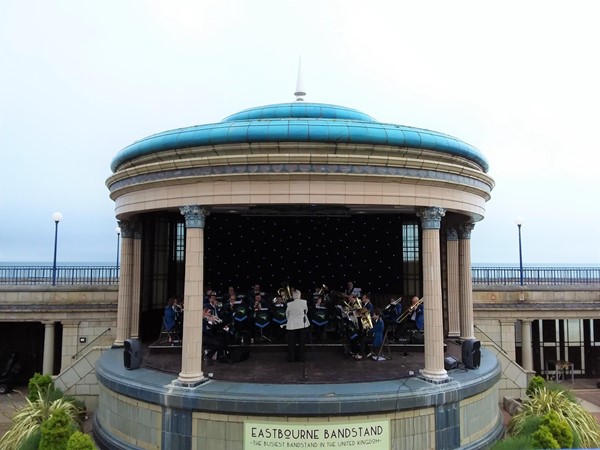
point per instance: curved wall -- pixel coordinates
(142, 409)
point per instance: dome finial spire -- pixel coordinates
(299, 85)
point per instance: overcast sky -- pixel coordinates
(518, 80)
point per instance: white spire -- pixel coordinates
(299, 84)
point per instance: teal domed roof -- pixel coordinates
(299, 122)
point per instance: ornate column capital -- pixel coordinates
(452, 234)
(195, 215)
(431, 217)
(464, 230)
(127, 228)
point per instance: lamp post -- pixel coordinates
(118, 231)
(519, 222)
(57, 217)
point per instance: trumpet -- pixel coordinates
(409, 311)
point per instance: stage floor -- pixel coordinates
(324, 363)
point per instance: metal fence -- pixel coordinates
(64, 275)
(536, 275)
(69, 275)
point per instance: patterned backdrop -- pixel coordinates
(306, 251)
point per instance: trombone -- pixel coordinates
(409, 311)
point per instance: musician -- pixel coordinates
(213, 339)
(366, 301)
(375, 335)
(259, 302)
(229, 308)
(351, 290)
(251, 297)
(297, 322)
(230, 292)
(170, 318)
(213, 305)
(390, 315)
(278, 308)
(417, 316)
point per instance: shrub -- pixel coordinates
(535, 384)
(582, 423)
(559, 428)
(29, 418)
(37, 383)
(32, 442)
(80, 441)
(542, 438)
(56, 431)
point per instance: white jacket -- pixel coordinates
(296, 314)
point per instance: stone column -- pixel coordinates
(432, 295)
(453, 284)
(125, 284)
(136, 282)
(191, 353)
(48, 362)
(466, 281)
(526, 345)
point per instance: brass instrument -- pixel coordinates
(322, 290)
(409, 311)
(285, 292)
(365, 319)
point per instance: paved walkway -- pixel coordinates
(8, 404)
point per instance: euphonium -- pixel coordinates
(285, 292)
(365, 319)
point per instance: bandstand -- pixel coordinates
(309, 194)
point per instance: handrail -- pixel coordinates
(65, 275)
(90, 343)
(488, 275)
(536, 275)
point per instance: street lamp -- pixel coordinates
(519, 222)
(118, 231)
(57, 217)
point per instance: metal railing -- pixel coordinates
(536, 275)
(65, 275)
(494, 275)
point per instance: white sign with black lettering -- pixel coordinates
(365, 434)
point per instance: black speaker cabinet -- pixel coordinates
(132, 355)
(450, 362)
(471, 353)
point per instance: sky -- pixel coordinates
(518, 80)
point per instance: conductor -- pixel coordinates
(297, 322)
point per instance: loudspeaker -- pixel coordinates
(450, 362)
(132, 355)
(417, 338)
(471, 353)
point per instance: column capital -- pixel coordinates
(127, 228)
(464, 230)
(195, 215)
(452, 234)
(431, 217)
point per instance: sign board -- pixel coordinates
(364, 434)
